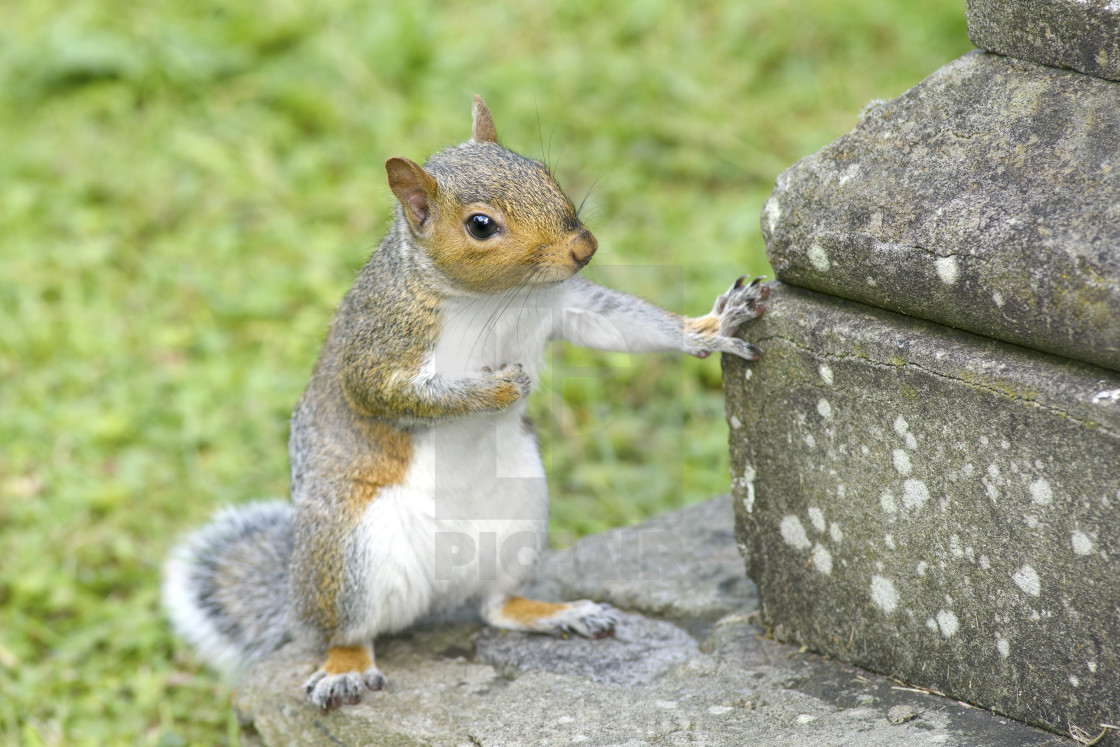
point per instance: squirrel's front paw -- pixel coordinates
(512, 381)
(332, 690)
(740, 304)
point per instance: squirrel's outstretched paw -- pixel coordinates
(329, 691)
(746, 350)
(586, 618)
(741, 303)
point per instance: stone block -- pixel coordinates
(1083, 35)
(985, 198)
(684, 681)
(933, 505)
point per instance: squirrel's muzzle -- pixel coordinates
(583, 247)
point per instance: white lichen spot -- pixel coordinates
(816, 516)
(1031, 521)
(826, 373)
(835, 532)
(993, 471)
(983, 439)
(955, 546)
(822, 559)
(864, 450)
(794, 533)
(1004, 444)
(947, 622)
(824, 409)
(1074, 681)
(810, 441)
(720, 710)
(1091, 666)
(1026, 578)
(773, 213)
(886, 502)
(883, 594)
(914, 494)
(997, 299)
(1003, 647)
(923, 566)
(748, 374)
(1109, 395)
(911, 442)
(931, 624)
(901, 462)
(849, 173)
(819, 258)
(746, 483)
(901, 426)
(805, 718)
(1041, 492)
(968, 469)
(985, 563)
(993, 491)
(888, 540)
(947, 270)
(1081, 543)
(735, 422)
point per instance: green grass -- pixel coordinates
(187, 189)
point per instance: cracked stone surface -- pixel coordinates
(986, 198)
(709, 679)
(1083, 35)
(934, 505)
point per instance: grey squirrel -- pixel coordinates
(410, 450)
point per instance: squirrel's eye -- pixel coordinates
(482, 226)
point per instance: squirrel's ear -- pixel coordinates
(483, 130)
(414, 187)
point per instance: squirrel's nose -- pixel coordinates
(584, 246)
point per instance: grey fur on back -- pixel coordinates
(225, 586)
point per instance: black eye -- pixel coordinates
(482, 226)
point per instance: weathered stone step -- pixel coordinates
(985, 198)
(706, 677)
(934, 505)
(1083, 35)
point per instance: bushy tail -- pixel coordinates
(225, 587)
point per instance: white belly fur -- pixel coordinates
(471, 514)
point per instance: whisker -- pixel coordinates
(529, 281)
(491, 322)
(588, 194)
(540, 135)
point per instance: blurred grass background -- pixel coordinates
(186, 192)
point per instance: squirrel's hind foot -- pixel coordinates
(584, 617)
(329, 691)
(344, 676)
(588, 619)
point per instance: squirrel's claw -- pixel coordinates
(741, 303)
(588, 619)
(330, 691)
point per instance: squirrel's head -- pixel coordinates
(489, 218)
